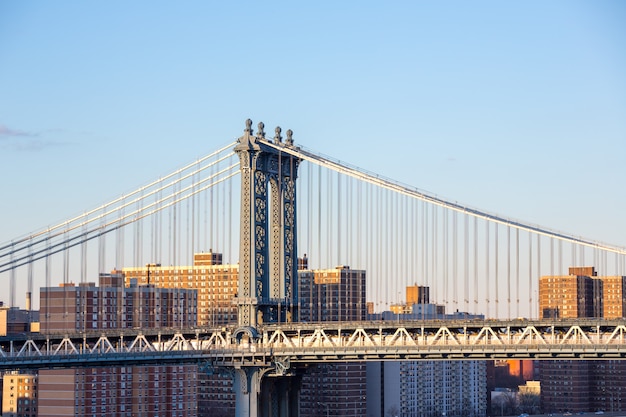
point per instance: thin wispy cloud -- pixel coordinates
(24, 141)
(7, 132)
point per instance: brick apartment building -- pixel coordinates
(333, 295)
(216, 284)
(575, 385)
(19, 395)
(146, 391)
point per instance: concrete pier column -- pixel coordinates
(246, 385)
(281, 396)
(270, 396)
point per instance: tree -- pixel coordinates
(393, 411)
(504, 404)
(529, 403)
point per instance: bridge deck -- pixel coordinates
(316, 342)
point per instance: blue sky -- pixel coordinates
(517, 108)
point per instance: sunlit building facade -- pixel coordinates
(19, 395)
(574, 385)
(136, 391)
(333, 295)
(216, 285)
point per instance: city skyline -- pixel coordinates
(524, 100)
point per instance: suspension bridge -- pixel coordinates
(289, 201)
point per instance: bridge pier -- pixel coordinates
(269, 396)
(247, 386)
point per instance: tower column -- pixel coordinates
(267, 251)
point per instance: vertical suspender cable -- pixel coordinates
(552, 272)
(29, 283)
(406, 227)
(385, 272)
(517, 291)
(367, 227)
(475, 257)
(413, 219)
(339, 228)
(319, 215)
(351, 218)
(207, 217)
(455, 251)
(329, 224)
(487, 266)
(413, 239)
(497, 271)
(445, 245)
(435, 250)
(394, 243)
(192, 223)
(425, 245)
(187, 230)
(102, 241)
(378, 253)
(231, 232)
(136, 236)
(307, 201)
(560, 257)
(83, 258)
(466, 261)
(538, 275)
(119, 234)
(66, 266)
(508, 271)
(12, 284)
(531, 278)
(48, 281)
(359, 207)
(155, 237)
(573, 256)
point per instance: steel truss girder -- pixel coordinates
(285, 346)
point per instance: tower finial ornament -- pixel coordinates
(261, 132)
(248, 127)
(289, 137)
(277, 137)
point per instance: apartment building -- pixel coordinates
(19, 395)
(135, 391)
(573, 385)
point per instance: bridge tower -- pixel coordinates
(267, 252)
(268, 290)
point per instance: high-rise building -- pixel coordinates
(425, 388)
(417, 294)
(444, 388)
(150, 391)
(574, 385)
(83, 307)
(613, 297)
(567, 296)
(147, 391)
(215, 283)
(15, 320)
(19, 395)
(333, 295)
